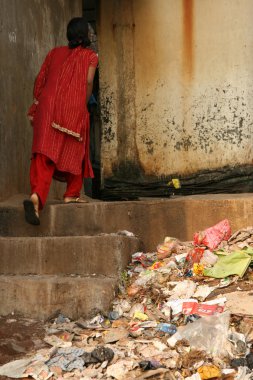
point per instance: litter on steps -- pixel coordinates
(182, 312)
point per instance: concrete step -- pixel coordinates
(150, 219)
(41, 296)
(104, 255)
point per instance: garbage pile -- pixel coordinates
(183, 312)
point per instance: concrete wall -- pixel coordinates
(28, 29)
(176, 82)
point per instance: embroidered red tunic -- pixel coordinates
(59, 113)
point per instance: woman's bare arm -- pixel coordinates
(90, 78)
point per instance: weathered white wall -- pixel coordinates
(176, 82)
(28, 30)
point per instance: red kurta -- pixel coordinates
(60, 115)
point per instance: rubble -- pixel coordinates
(183, 312)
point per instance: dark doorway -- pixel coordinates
(92, 186)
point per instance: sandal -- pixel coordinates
(75, 200)
(31, 216)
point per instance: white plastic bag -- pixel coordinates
(183, 289)
(208, 334)
(208, 259)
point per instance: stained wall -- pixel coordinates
(176, 82)
(28, 30)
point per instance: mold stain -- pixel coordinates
(127, 170)
(149, 143)
(188, 25)
(224, 121)
(108, 133)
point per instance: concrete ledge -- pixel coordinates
(40, 296)
(104, 255)
(151, 220)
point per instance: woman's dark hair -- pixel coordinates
(77, 33)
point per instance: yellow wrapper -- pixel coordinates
(140, 316)
(209, 372)
(156, 265)
(175, 182)
(198, 269)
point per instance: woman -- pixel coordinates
(60, 120)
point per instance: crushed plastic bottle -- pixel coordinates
(167, 328)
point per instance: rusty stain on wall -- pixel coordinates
(188, 38)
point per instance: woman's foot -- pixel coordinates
(74, 200)
(35, 200)
(31, 207)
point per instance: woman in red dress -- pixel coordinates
(60, 120)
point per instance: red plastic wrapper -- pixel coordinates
(195, 255)
(201, 309)
(213, 236)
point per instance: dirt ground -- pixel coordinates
(19, 336)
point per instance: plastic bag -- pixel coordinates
(208, 334)
(168, 247)
(183, 289)
(213, 236)
(208, 259)
(194, 256)
(145, 278)
(236, 262)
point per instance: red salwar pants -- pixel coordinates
(41, 173)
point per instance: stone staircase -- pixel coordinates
(72, 262)
(42, 273)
